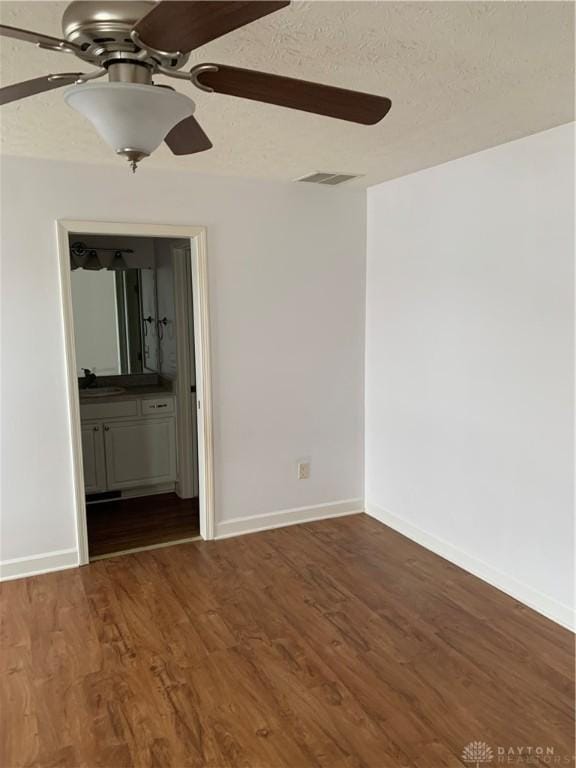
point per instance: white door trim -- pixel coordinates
(187, 412)
(199, 270)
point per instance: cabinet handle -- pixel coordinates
(106, 429)
(96, 429)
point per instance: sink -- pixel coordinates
(101, 392)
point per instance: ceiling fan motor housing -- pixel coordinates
(86, 22)
(101, 29)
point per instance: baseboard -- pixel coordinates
(239, 526)
(148, 490)
(20, 567)
(547, 606)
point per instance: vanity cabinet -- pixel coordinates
(140, 453)
(93, 458)
(128, 444)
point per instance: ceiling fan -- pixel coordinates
(131, 41)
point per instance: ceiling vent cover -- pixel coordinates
(330, 178)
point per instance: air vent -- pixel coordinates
(329, 178)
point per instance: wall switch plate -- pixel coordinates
(304, 469)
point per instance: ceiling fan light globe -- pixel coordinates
(130, 116)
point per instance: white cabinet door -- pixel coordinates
(140, 452)
(93, 458)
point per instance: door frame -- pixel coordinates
(199, 273)
(187, 413)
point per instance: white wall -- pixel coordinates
(286, 281)
(95, 321)
(469, 363)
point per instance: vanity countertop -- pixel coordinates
(132, 393)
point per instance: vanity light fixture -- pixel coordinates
(92, 261)
(118, 262)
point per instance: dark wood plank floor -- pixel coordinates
(114, 526)
(337, 643)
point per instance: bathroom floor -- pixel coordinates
(124, 524)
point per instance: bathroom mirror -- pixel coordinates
(115, 321)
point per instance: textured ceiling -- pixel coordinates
(462, 76)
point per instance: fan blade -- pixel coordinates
(178, 25)
(35, 37)
(38, 85)
(296, 94)
(187, 137)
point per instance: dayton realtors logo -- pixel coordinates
(477, 752)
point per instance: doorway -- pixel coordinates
(135, 305)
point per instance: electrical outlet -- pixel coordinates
(304, 469)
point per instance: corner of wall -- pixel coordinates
(547, 606)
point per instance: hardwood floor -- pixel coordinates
(114, 526)
(332, 644)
